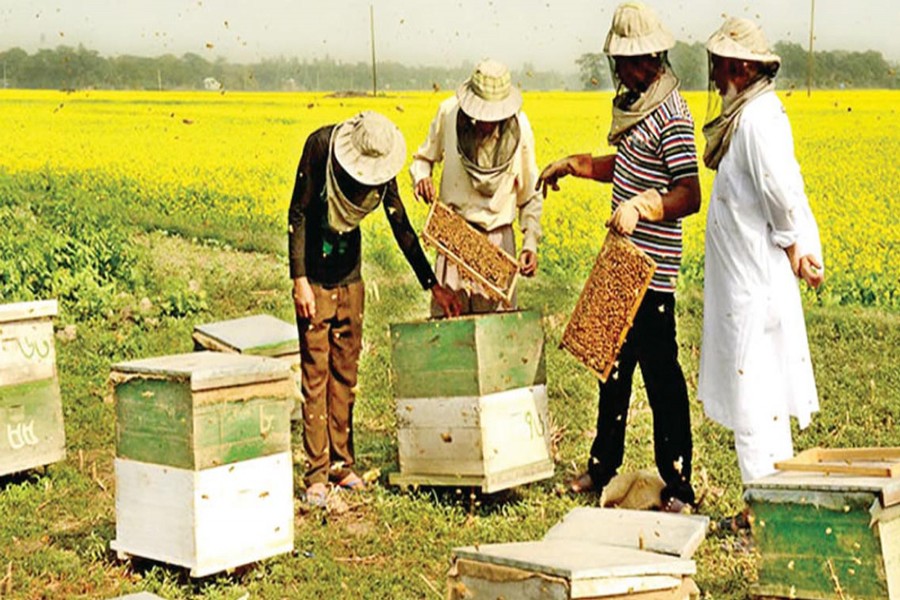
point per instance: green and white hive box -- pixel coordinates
(826, 536)
(258, 335)
(204, 476)
(471, 401)
(31, 420)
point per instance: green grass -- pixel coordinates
(56, 523)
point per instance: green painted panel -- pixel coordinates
(158, 423)
(468, 356)
(153, 421)
(236, 431)
(807, 546)
(31, 425)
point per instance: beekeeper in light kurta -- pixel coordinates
(755, 369)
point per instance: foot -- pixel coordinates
(737, 523)
(352, 481)
(317, 495)
(582, 484)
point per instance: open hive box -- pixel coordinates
(827, 525)
(592, 553)
(608, 303)
(31, 418)
(470, 250)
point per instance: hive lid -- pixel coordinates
(23, 311)
(208, 370)
(264, 335)
(591, 569)
(676, 535)
(886, 488)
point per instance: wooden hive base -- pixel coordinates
(209, 520)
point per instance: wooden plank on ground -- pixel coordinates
(675, 535)
(865, 462)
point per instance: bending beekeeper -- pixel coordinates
(487, 146)
(755, 368)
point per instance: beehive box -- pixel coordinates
(472, 355)
(590, 553)
(469, 249)
(209, 520)
(202, 409)
(826, 535)
(608, 303)
(471, 401)
(257, 335)
(31, 420)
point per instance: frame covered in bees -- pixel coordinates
(469, 249)
(608, 303)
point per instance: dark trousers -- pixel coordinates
(329, 358)
(650, 343)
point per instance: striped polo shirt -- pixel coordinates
(653, 154)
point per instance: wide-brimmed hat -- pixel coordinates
(742, 39)
(636, 30)
(370, 148)
(489, 95)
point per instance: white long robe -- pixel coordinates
(755, 368)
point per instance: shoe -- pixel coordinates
(582, 484)
(353, 482)
(317, 495)
(737, 523)
(676, 506)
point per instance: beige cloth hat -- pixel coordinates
(636, 30)
(489, 95)
(370, 148)
(742, 39)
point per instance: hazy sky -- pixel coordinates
(550, 34)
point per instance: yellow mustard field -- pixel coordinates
(236, 153)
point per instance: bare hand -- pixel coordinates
(424, 189)
(447, 300)
(528, 263)
(624, 219)
(552, 173)
(304, 299)
(810, 271)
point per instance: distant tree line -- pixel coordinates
(67, 67)
(831, 69)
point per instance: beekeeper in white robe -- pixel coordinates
(755, 369)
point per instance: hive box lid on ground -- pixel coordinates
(262, 335)
(467, 356)
(203, 409)
(666, 533)
(826, 535)
(566, 569)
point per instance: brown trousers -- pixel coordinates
(329, 359)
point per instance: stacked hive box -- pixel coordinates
(471, 401)
(203, 468)
(592, 553)
(31, 421)
(258, 335)
(826, 535)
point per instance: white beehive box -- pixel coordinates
(31, 420)
(209, 520)
(259, 335)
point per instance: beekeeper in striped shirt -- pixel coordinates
(655, 185)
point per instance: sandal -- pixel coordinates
(352, 481)
(676, 506)
(582, 484)
(317, 495)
